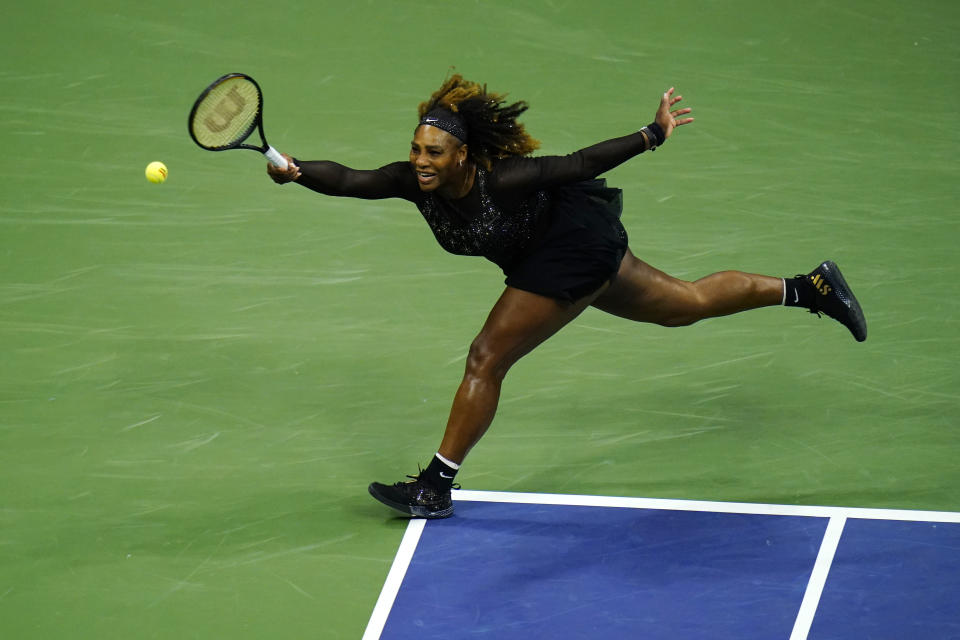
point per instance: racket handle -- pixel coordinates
(275, 158)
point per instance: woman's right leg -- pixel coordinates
(518, 322)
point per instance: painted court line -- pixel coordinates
(837, 517)
(818, 578)
(748, 508)
(392, 585)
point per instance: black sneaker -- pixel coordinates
(416, 497)
(834, 298)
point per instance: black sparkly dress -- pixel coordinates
(546, 221)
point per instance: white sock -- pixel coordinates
(452, 465)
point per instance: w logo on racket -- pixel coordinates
(228, 108)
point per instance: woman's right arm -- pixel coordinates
(333, 179)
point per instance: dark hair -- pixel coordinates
(492, 128)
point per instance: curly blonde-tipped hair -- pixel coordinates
(493, 130)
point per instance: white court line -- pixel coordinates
(700, 505)
(392, 586)
(818, 578)
(837, 517)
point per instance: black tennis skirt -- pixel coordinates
(580, 247)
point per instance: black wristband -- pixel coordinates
(657, 130)
(654, 134)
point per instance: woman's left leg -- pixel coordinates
(645, 294)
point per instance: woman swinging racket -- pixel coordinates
(555, 230)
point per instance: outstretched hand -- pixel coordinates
(669, 119)
(283, 176)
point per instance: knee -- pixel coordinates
(484, 360)
(679, 321)
(693, 306)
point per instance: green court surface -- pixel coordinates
(199, 379)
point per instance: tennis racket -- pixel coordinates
(227, 112)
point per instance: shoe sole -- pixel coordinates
(417, 512)
(835, 279)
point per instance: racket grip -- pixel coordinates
(275, 158)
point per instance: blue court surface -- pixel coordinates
(526, 566)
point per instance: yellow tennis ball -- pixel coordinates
(156, 172)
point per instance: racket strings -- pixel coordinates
(227, 114)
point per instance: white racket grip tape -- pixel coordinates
(275, 158)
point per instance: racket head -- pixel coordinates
(226, 113)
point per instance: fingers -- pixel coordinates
(282, 176)
(669, 119)
(675, 119)
(666, 99)
(669, 98)
(292, 166)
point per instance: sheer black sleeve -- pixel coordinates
(544, 172)
(394, 180)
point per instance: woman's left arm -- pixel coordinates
(585, 164)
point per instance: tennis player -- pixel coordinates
(554, 228)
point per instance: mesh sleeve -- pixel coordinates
(389, 181)
(544, 172)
